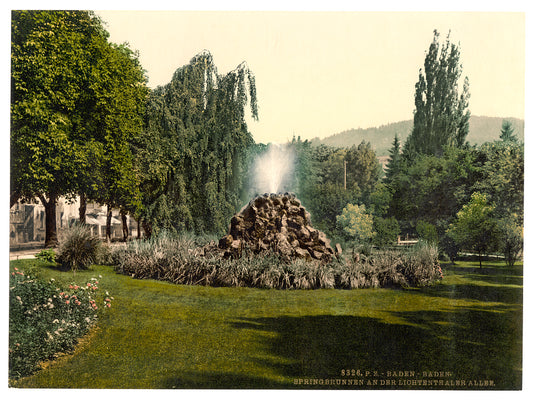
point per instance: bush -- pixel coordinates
(78, 248)
(421, 266)
(47, 255)
(45, 320)
(427, 232)
(387, 231)
(181, 261)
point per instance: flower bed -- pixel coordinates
(45, 320)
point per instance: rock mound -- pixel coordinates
(276, 222)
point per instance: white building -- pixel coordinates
(27, 222)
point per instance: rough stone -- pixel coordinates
(276, 222)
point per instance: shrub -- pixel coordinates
(421, 266)
(427, 232)
(387, 231)
(47, 255)
(45, 320)
(78, 248)
(180, 260)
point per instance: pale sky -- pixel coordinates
(319, 73)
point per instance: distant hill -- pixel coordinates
(482, 129)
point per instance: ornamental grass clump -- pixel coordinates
(421, 266)
(181, 260)
(45, 320)
(78, 248)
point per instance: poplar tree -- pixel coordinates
(441, 117)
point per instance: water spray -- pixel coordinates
(274, 169)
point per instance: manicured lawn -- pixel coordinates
(161, 335)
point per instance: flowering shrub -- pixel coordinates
(45, 320)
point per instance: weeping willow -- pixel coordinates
(192, 154)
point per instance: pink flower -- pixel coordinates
(108, 305)
(67, 301)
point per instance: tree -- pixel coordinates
(393, 164)
(50, 57)
(511, 238)
(76, 99)
(387, 231)
(433, 189)
(356, 224)
(502, 177)
(194, 147)
(362, 169)
(507, 132)
(441, 117)
(427, 232)
(475, 227)
(120, 105)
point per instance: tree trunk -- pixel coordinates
(108, 224)
(13, 198)
(147, 228)
(139, 228)
(50, 219)
(125, 232)
(83, 208)
(479, 255)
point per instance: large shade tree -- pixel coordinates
(61, 71)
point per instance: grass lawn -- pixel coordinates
(161, 335)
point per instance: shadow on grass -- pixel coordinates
(503, 285)
(471, 344)
(195, 380)
(507, 295)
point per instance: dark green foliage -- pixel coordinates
(393, 165)
(78, 248)
(76, 102)
(507, 132)
(387, 231)
(427, 232)
(192, 154)
(434, 188)
(502, 177)
(45, 320)
(320, 181)
(441, 116)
